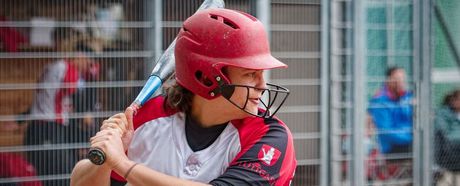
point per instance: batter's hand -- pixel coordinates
(109, 141)
(123, 123)
(115, 136)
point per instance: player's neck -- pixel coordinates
(206, 120)
(207, 114)
(204, 116)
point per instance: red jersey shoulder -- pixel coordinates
(253, 123)
(266, 149)
(152, 109)
(252, 129)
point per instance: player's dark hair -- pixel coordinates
(392, 70)
(449, 98)
(178, 98)
(81, 46)
(63, 33)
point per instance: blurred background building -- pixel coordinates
(338, 52)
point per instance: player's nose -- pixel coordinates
(260, 81)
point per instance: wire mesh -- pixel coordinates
(445, 96)
(110, 44)
(295, 31)
(66, 65)
(116, 41)
(389, 43)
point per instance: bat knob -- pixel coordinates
(96, 156)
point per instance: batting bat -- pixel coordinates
(163, 70)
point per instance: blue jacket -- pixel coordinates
(393, 119)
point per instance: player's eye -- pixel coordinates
(251, 74)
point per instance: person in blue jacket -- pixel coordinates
(392, 112)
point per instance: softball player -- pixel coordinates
(212, 126)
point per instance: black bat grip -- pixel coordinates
(96, 156)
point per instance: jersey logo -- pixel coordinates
(268, 155)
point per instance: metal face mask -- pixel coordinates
(273, 97)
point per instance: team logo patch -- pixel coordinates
(268, 155)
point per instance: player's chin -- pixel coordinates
(252, 110)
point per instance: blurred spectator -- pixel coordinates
(391, 111)
(447, 134)
(85, 103)
(14, 165)
(84, 125)
(60, 85)
(64, 38)
(119, 70)
(10, 38)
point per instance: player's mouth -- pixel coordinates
(255, 101)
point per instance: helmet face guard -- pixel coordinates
(273, 97)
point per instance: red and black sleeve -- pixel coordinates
(266, 158)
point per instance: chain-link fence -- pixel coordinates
(353, 121)
(67, 65)
(446, 100)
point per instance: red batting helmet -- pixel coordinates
(214, 38)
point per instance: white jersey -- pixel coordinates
(251, 151)
(167, 135)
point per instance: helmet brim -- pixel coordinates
(261, 62)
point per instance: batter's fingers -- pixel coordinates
(103, 138)
(120, 116)
(99, 139)
(120, 122)
(113, 124)
(115, 121)
(104, 133)
(116, 128)
(123, 117)
(101, 145)
(129, 112)
(110, 125)
(97, 136)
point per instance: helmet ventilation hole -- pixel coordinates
(203, 79)
(227, 22)
(198, 75)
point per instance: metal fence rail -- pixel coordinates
(125, 38)
(337, 52)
